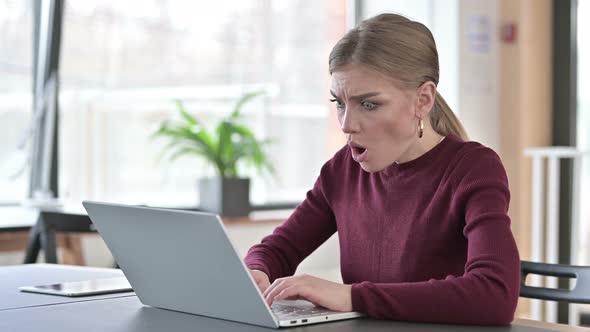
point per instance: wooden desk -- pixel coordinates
(15, 227)
(70, 243)
(259, 218)
(30, 230)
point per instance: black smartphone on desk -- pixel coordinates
(82, 288)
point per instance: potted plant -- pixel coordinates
(230, 144)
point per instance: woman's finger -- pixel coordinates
(292, 292)
(272, 286)
(261, 279)
(263, 285)
(276, 289)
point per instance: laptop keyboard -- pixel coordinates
(296, 309)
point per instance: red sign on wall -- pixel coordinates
(508, 32)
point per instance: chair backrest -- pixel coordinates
(580, 293)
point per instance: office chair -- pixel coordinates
(580, 293)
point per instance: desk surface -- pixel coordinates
(128, 314)
(44, 222)
(12, 277)
(17, 218)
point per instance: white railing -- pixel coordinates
(550, 232)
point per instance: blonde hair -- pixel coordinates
(403, 50)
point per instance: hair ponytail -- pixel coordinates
(444, 121)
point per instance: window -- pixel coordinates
(16, 35)
(124, 62)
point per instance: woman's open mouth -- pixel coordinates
(359, 153)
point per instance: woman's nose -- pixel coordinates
(348, 124)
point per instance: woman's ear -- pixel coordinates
(426, 94)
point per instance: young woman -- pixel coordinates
(421, 213)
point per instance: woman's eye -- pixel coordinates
(368, 105)
(339, 104)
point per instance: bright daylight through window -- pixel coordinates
(123, 63)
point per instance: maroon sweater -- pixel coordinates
(427, 240)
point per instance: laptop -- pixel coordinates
(185, 261)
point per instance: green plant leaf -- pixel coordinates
(195, 126)
(226, 147)
(187, 117)
(186, 151)
(242, 131)
(166, 150)
(163, 126)
(181, 135)
(244, 100)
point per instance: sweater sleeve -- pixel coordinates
(487, 291)
(310, 225)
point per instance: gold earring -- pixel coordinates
(420, 128)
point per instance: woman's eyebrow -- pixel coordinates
(358, 97)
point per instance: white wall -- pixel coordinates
(479, 67)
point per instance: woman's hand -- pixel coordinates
(331, 295)
(261, 279)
